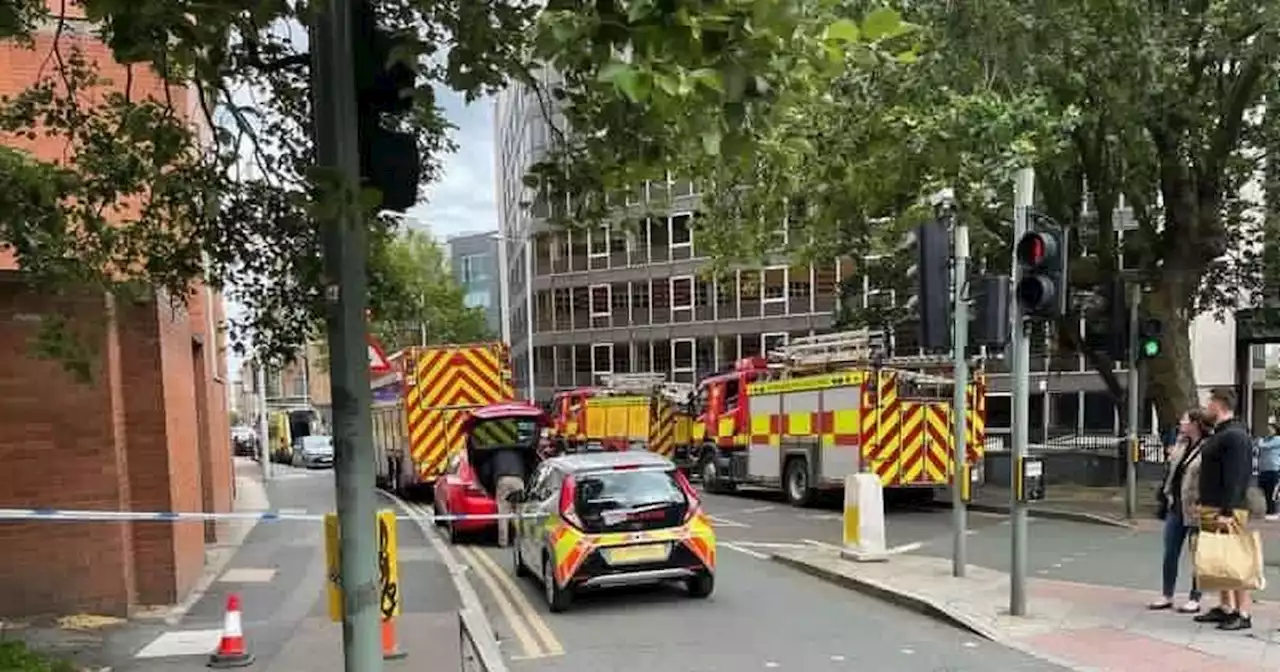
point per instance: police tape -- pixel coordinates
(87, 515)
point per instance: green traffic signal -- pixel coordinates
(1151, 348)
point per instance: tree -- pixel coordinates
(414, 298)
(1160, 104)
(145, 201)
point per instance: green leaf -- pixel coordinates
(882, 22)
(907, 57)
(711, 139)
(611, 71)
(709, 78)
(843, 30)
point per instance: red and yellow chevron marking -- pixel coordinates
(869, 420)
(888, 427)
(938, 454)
(911, 459)
(662, 429)
(976, 405)
(572, 547)
(450, 377)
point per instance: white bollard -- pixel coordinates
(864, 519)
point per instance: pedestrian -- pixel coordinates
(508, 476)
(1179, 499)
(1226, 468)
(1269, 468)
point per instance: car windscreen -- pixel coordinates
(317, 444)
(629, 500)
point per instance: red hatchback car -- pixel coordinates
(458, 492)
(462, 489)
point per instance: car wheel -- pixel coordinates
(517, 560)
(558, 598)
(701, 585)
(451, 533)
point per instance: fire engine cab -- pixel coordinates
(827, 406)
(635, 410)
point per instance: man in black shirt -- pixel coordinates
(1226, 467)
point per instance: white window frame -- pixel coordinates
(608, 300)
(595, 367)
(672, 245)
(592, 233)
(693, 356)
(671, 290)
(786, 288)
(764, 340)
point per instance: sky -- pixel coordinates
(463, 200)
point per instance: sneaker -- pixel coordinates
(1273, 516)
(1214, 615)
(1236, 622)
(1165, 603)
(1189, 607)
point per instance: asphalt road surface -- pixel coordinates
(762, 615)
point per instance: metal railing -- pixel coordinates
(1149, 445)
(479, 648)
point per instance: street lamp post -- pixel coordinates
(528, 301)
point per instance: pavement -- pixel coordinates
(1101, 505)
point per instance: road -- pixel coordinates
(762, 616)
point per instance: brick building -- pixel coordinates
(149, 433)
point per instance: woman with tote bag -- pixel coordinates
(1179, 504)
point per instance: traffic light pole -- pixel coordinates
(1024, 191)
(337, 150)
(960, 334)
(1131, 396)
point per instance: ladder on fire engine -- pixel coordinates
(646, 383)
(861, 348)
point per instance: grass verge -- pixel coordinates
(16, 657)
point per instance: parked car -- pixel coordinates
(313, 451)
(244, 441)
(459, 492)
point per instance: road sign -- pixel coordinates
(378, 362)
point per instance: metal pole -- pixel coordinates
(1132, 394)
(345, 243)
(264, 438)
(1023, 197)
(504, 287)
(960, 333)
(528, 304)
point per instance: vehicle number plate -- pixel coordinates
(626, 555)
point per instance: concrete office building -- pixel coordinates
(473, 258)
(607, 300)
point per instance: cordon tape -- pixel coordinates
(83, 515)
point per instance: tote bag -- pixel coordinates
(1229, 560)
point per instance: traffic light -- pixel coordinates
(1042, 289)
(931, 272)
(389, 160)
(1150, 332)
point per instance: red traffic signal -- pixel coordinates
(1036, 249)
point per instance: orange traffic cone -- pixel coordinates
(231, 650)
(390, 643)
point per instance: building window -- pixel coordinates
(601, 359)
(601, 300)
(773, 341)
(477, 299)
(682, 293)
(474, 268)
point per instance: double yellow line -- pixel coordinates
(535, 636)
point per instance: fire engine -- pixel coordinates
(629, 410)
(827, 406)
(418, 410)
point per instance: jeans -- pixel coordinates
(1267, 481)
(1175, 537)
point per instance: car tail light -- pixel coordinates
(695, 504)
(569, 492)
(626, 467)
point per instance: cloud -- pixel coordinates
(464, 198)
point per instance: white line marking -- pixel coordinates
(758, 509)
(769, 544)
(725, 522)
(822, 516)
(819, 544)
(181, 643)
(837, 659)
(906, 548)
(744, 551)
